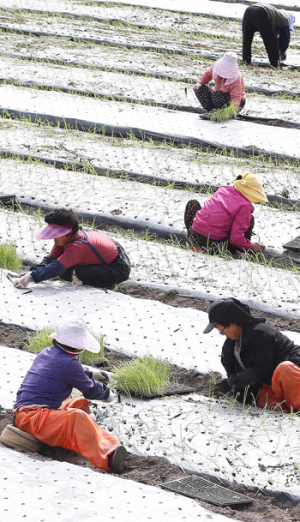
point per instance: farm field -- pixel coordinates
(98, 114)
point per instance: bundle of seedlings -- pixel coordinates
(141, 376)
(9, 259)
(225, 114)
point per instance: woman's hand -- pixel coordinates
(197, 86)
(23, 282)
(257, 247)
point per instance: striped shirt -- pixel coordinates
(78, 253)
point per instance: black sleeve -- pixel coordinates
(100, 392)
(260, 361)
(49, 271)
(44, 262)
(284, 38)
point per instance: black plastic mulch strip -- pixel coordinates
(108, 43)
(137, 72)
(202, 489)
(141, 134)
(275, 122)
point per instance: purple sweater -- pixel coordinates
(226, 213)
(52, 377)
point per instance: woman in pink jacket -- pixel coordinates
(229, 85)
(225, 222)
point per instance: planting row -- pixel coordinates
(147, 121)
(109, 57)
(149, 159)
(168, 266)
(130, 199)
(240, 444)
(174, 42)
(140, 88)
(207, 7)
(134, 327)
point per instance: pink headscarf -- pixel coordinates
(227, 67)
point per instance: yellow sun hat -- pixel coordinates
(251, 187)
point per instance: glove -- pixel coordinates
(23, 282)
(110, 398)
(282, 56)
(100, 375)
(197, 86)
(221, 387)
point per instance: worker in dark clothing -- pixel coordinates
(274, 26)
(261, 363)
(96, 259)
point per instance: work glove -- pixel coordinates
(23, 282)
(197, 86)
(100, 375)
(282, 56)
(221, 388)
(110, 398)
(97, 375)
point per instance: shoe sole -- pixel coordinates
(18, 439)
(118, 460)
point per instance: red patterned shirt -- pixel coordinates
(78, 253)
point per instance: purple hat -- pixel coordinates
(53, 231)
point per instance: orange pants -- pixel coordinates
(70, 427)
(285, 389)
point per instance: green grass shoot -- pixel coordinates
(9, 259)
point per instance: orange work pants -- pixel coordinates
(70, 427)
(285, 389)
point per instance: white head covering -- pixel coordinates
(74, 333)
(291, 18)
(227, 67)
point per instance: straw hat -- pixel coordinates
(53, 231)
(251, 187)
(227, 67)
(74, 333)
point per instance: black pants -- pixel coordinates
(211, 100)
(102, 276)
(256, 19)
(213, 246)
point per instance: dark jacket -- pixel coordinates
(263, 349)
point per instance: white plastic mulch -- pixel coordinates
(159, 264)
(167, 162)
(203, 7)
(139, 87)
(135, 327)
(152, 119)
(240, 444)
(128, 199)
(48, 491)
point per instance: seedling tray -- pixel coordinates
(172, 389)
(201, 489)
(293, 245)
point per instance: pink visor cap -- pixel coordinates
(227, 67)
(53, 231)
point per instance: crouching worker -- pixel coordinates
(225, 222)
(96, 259)
(229, 85)
(43, 411)
(262, 364)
